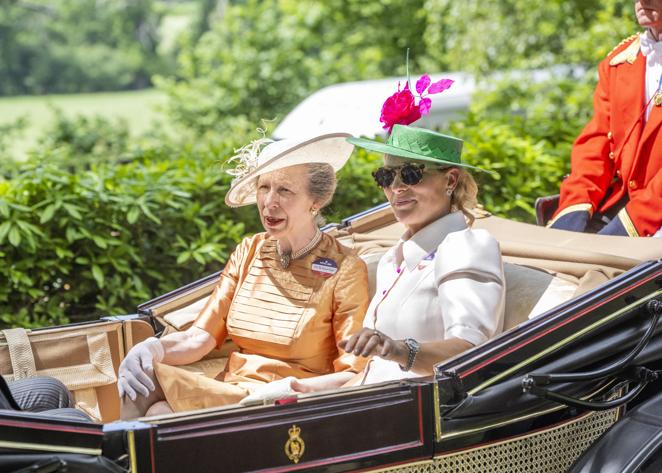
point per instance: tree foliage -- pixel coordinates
(261, 57)
(61, 46)
(481, 37)
(79, 241)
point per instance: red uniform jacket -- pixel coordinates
(618, 151)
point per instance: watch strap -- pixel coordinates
(413, 347)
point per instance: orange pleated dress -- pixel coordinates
(284, 321)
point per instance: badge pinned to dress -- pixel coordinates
(324, 267)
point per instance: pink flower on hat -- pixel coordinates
(401, 107)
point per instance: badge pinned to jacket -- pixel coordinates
(426, 261)
(324, 267)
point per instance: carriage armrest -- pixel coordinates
(180, 298)
(545, 208)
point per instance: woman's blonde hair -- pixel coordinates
(464, 196)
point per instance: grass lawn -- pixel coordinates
(138, 108)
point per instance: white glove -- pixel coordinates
(136, 369)
(270, 392)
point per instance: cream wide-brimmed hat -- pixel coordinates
(331, 148)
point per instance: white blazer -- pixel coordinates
(444, 281)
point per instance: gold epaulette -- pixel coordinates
(629, 54)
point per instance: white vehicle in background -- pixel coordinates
(355, 107)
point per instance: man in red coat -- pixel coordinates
(615, 184)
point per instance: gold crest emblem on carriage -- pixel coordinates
(295, 446)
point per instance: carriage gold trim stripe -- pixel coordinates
(565, 341)
(49, 448)
(437, 413)
(131, 438)
(512, 420)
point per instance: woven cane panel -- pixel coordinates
(550, 451)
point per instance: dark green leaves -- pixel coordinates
(79, 242)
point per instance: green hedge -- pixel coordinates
(525, 168)
(77, 245)
(89, 230)
(524, 130)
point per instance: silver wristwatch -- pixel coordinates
(414, 347)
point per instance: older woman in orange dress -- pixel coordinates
(286, 297)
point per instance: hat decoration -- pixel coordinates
(401, 107)
(245, 159)
(409, 142)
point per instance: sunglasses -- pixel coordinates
(410, 174)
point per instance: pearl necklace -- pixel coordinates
(286, 258)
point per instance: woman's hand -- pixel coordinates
(136, 372)
(136, 369)
(369, 342)
(269, 392)
(290, 386)
(322, 383)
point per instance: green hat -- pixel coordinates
(418, 143)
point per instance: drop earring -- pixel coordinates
(449, 191)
